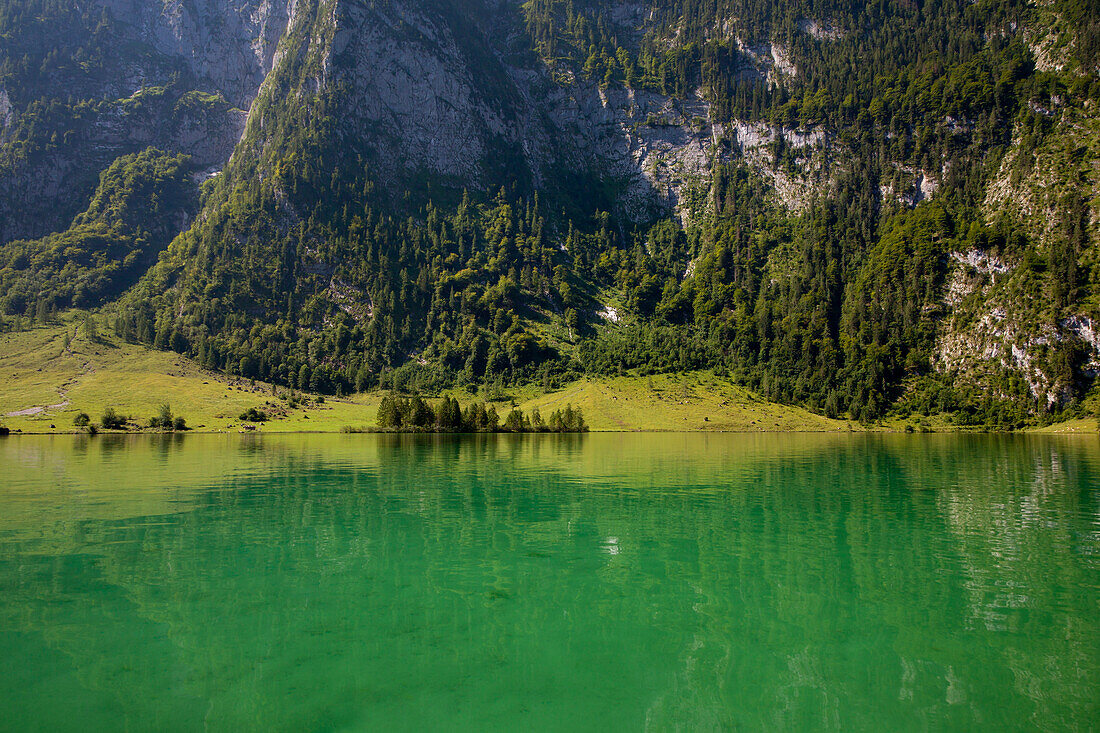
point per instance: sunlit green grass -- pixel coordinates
(89, 374)
(1080, 425)
(63, 371)
(38, 370)
(696, 401)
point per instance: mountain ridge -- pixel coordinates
(456, 193)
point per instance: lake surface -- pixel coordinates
(612, 582)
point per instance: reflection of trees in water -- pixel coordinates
(1016, 512)
(822, 583)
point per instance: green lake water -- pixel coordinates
(597, 582)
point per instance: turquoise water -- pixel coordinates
(612, 582)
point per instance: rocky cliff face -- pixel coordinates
(195, 69)
(6, 110)
(228, 49)
(433, 93)
(428, 95)
(432, 97)
(999, 318)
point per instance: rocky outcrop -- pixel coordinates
(991, 326)
(432, 94)
(227, 48)
(418, 98)
(6, 110)
(221, 52)
(911, 186)
(812, 172)
(820, 30)
(657, 151)
(41, 195)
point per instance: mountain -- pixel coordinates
(855, 207)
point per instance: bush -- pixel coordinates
(81, 420)
(516, 423)
(164, 419)
(111, 420)
(253, 415)
(179, 423)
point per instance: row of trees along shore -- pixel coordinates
(414, 414)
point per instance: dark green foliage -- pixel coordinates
(334, 305)
(131, 218)
(569, 420)
(416, 415)
(111, 420)
(253, 414)
(82, 420)
(516, 422)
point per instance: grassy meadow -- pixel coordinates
(696, 401)
(50, 374)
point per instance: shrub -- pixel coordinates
(515, 422)
(111, 420)
(253, 415)
(163, 419)
(81, 420)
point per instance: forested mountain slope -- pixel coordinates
(83, 82)
(142, 201)
(851, 206)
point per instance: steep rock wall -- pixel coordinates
(196, 66)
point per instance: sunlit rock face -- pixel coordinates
(439, 95)
(228, 47)
(446, 96)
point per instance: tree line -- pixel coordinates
(415, 414)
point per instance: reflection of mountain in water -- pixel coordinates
(572, 581)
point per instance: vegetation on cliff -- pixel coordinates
(306, 270)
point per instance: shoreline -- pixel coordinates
(48, 383)
(870, 431)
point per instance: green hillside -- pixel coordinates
(883, 211)
(53, 373)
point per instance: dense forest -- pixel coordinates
(301, 270)
(415, 414)
(140, 204)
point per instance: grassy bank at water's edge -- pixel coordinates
(50, 374)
